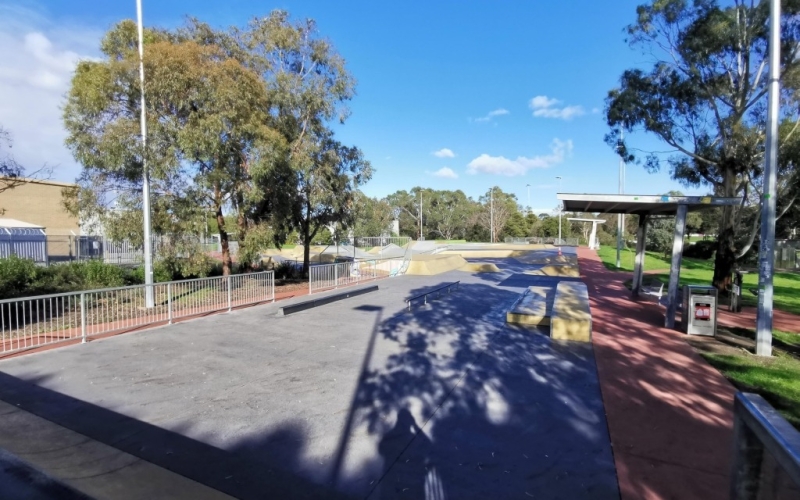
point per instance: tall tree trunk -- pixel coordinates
(241, 226)
(223, 234)
(726, 251)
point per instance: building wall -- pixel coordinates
(39, 202)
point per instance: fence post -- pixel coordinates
(230, 303)
(272, 281)
(83, 318)
(169, 302)
(335, 275)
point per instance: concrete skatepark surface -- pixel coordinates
(355, 399)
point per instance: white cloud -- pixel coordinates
(492, 114)
(500, 165)
(445, 173)
(547, 107)
(444, 153)
(39, 57)
(595, 110)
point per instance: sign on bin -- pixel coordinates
(702, 312)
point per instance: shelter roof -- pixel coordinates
(640, 204)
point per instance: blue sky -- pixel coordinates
(451, 94)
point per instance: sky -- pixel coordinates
(450, 94)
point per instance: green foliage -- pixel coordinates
(700, 250)
(661, 235)
(516, 227)
(16, 276)
(323, 237)
(286, 270)
(705, 97)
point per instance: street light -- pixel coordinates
(559, 210)
(491, 215)
(148, 249)
(620, 217)
(529, 199)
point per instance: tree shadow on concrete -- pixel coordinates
(469, 407)
(669, 412)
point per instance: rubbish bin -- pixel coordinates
(699, 310)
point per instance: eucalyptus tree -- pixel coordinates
(704, 96)
(209, 132)
(308, 87)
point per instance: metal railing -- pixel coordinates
(766, 451)
(380, 241)
(542, 241)
(328, 276)
(437, 291)
(47, 319)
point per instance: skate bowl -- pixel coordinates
(480, 267)
(429, 265)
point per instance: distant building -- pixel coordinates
(39, 202)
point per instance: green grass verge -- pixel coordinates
(447, 242)
(777, 379)
(700, 272)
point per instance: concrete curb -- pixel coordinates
(18, 479)
(309, 304)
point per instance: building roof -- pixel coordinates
(27, 180)
(640, 204)
(14, 223)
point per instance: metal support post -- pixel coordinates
(675, 268)
(169, 303)
(766, 260)
(83, 318)
(230, 302)
(638, 266)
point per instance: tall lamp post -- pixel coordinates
(766, 260)
(528, 211)
(148, 244)
(559, 210)
(620, 217)
(491, 215)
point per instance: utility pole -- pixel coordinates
(528, 212)
(491, 215)
(766, 260)
(420, 214)
(620, 217)
(559, 210)
(148, 243)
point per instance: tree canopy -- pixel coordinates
(704, 96)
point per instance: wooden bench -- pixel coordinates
(571, 318)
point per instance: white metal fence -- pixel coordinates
(380, 241)
(48, 319)
(328, 276)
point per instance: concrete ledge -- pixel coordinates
(321, 301)
(533, 307)
(571, 318)
(19, 479)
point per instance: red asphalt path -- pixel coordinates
(669, 412)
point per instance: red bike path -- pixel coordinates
(669, 412)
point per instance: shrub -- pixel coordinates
(98, 274)
(17, 276)
(286, 270)
(701, 250)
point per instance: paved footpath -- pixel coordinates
(669, 413)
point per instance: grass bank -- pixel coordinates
(700, 272)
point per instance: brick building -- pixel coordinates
(39, 202)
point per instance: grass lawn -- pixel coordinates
(699, 272)
(777, 379)
(449, 242)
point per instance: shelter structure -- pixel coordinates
(593, 243)
(648, 206)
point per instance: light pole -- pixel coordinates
(559, 210)
(148, 244)
(620, 217)
(528, 211)
(491, 215)
(766, 259)
(420, 214)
